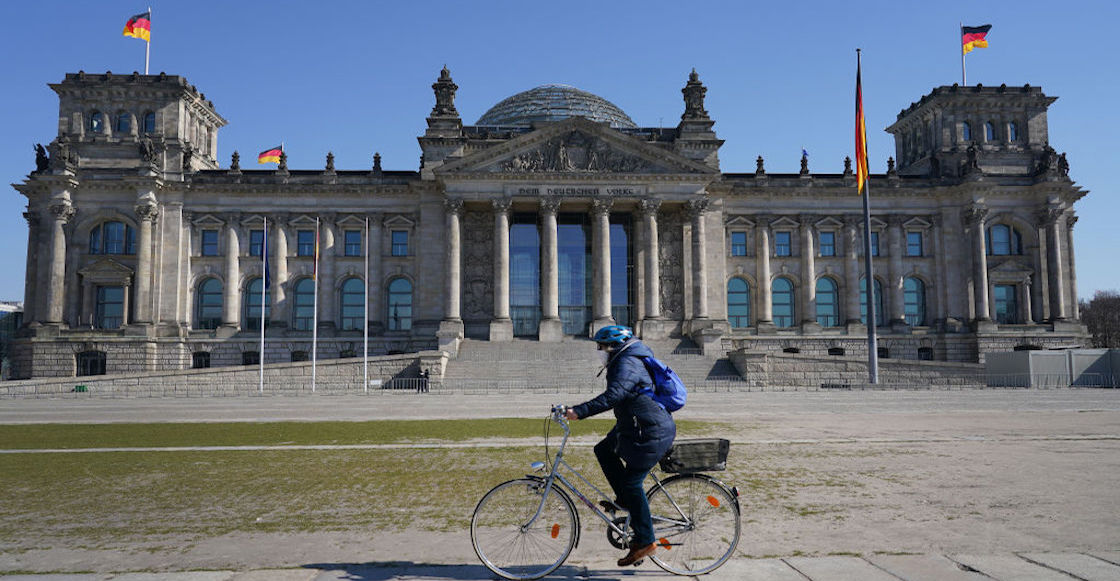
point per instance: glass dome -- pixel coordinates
(554, 103)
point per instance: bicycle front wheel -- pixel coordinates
(513, 539)
(696, 523)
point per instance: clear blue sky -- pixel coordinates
(355, 77)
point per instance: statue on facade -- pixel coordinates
(1063, 165)
(235, 162)
(694, 92)
(63, 156)
(445, 95)
(188, 153)
(42, 162)
(148, 150)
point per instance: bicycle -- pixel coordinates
(527, 527)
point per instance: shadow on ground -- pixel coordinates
(395, 570)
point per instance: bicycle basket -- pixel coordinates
(701, 455)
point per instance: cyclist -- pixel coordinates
(642, 434)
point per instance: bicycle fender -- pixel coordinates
(731, 491)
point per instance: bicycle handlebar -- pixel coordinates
(557, 415)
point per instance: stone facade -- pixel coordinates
(144, 255)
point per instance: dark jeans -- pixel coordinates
(626, 481)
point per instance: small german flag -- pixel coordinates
(974, 37)
(140, 26)
(271, 155)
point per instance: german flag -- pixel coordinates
(861, 136)
(271, 155)
(140, 26)
(974, 37)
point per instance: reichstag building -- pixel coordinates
(552, 214)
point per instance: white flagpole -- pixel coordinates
(315, 314)
(264, 290)
(960, 41)
(365, 321)
(148, 45)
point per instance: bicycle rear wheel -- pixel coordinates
(696, 523)
(514, 545)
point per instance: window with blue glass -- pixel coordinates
(112, 238)
(914, 302)
(209, 243)
(400, 305)
(914, 244)
(828, 303)
(110, 307)
(877, 289)
(738, 244)
(400, 242)
(966, 131)
(1013, 132)
(303, 311)
(874, 244)
(782, 244)
(149, 122)
(252, 301)
(352, 301)
(124, 122)
(352, 240)
(622, 271)
(256, 242)
(96, 122)
(573, 249)
(1007, 304)
(989, 131)
(738, 303)
(305, 243)
(827, 242)
(524, 274)
(1003, 240)
(781, 292)
(208, 304)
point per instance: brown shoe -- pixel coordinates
(637, 555)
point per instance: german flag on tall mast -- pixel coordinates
(861, 134)
(140, 26)
(271, 155)
(974, 37)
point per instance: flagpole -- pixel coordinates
(960, 41)
(264, 289)
(365, 322)
(148, 45)
(315, 314)
(869, 280)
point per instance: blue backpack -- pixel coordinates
(668, 389)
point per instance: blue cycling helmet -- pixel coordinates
(613, 335)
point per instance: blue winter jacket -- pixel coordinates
(644, 430)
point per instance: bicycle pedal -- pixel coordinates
(638, 562)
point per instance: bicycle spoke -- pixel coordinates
(707, 531)
(512, 547)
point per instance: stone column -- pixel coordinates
(696, 211)
(941, 285)
(376, 292)
(894, 270)
(279, 250)
(231, 306)
(146, 213)
(327, 314)
(974, 223)
(649, 209)
(1025, 297)
(501, 327)
(61, 211)
(601, 263)
(453, 209)
(851, 269)
(1075, 308)
(1051, 219)
(808, 277)
(31, 272)
(551, 328)
(762, 259)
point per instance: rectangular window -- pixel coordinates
(782, 244)
(1007, 304)
(874, 244)
(738, 244)
(200, 360)
(209, 242)
(256, 242)
(110, 307)
(400, 242)
(353, 241)
(828, 243)
(913, 244)
(305, 243)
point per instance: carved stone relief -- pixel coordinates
(670, 236)
(478, 265)
(575, 152)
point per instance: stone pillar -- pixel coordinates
(31, 272)
(551, 328)
(327, 314)
(61, 211)
(231, 306)
(696, 211)
(974, 223)
(1051, 219)
(1025, 297)
(601, 263)
(501, 327)
(1075, 308)
(279, 249)
(376, 291)
(808, 310)
(146, 213)
(649, 209)
(851, 270)
(894, 270)
(453, 208)
(762, 258)
(941, 285)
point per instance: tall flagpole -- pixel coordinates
(365, 321)
(960, 41)
(148, 45)
(315, 314)
(869, 280)
(264, 289)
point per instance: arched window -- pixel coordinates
(303, 313)
(1013, 131)
(124, 122)
(828, 303)
(353, 304)
(149, 122)
(112, 238)
(738, 303)
(1003, 240)
(251, 319)
(914, 301)
(400, 305)
(880, 320)
(96, 122)
(966, 131)
(781, 292)
(989, 132)
(208, 304)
